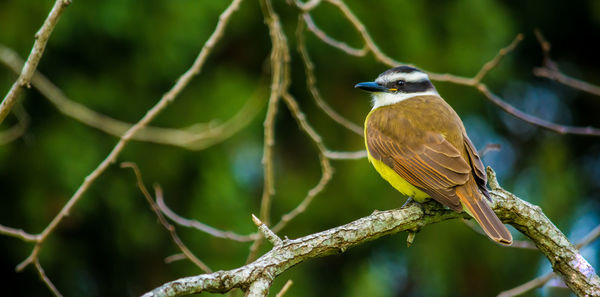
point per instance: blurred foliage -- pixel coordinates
(119, 57)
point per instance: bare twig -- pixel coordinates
(18, 233)
(266, 232)
(593, 235)
(45, 279)
(41, 38)
(490, 147)
(285, 288)
(279, 83)
(326, 169)
(305, 6)
(528, 286)
(312, 27)
(167, 98)
(161, 219)
(358, 25)
(201, 226)
(550, 70)
(560, 129)
(175, 257)
(311, 83)
(494, 62)
(346, 155)
(18, 129)
(194, 137)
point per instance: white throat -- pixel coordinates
(382, 98)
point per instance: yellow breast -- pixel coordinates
(393, 178)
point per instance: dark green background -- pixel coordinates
(119, 57)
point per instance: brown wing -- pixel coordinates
(432, 164)
(480, 176)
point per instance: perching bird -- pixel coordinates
(417, 142)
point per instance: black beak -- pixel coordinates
(372, 87)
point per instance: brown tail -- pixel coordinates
(483, 214)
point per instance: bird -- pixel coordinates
(418, 143)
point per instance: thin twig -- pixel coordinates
(494, 62)
(285, 288)
(41, 38)
(550, 70)
(266, 232)
(360, 27)
(333, 155)
(560, 129)
(490, 147)
(312, 27)
(528, 286)
(18, 129)
(45, 279)
(279, 82)
(326, 169)
(174, 258)
(166, 99)
(311, 83)
(305, 6)
(593, 235)
(201, 226)
(161, 219)
(18, 233)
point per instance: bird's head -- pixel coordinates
(397, 84)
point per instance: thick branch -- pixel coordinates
(527, 218)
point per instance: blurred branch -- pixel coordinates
(18, 129)
(326, 169)
(201, 226)
(285, 288)
(490, 147)
(45, 279)
(550, 70)
(195, 137)
(312, 27)
(577, 273)
(528, 286)
(41, 38)
(161, 219)
(166, 99)
(311, 82)
(346, 155)
(279, 83)
(560, 129)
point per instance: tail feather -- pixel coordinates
(483, 214)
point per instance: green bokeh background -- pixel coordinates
(119, 57)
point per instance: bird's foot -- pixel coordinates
(409, 200)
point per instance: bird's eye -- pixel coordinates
(400, 83)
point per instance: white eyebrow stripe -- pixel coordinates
(384, 99)
(409, 77)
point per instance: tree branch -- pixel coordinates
(41, 38)
(566, 260)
